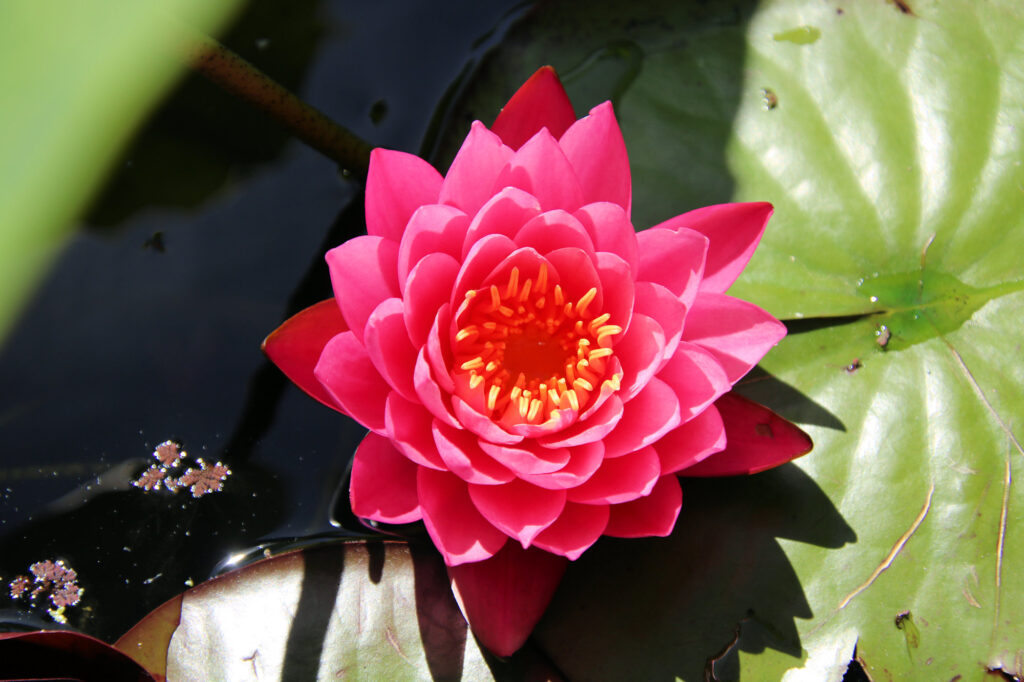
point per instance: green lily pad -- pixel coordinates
(891, 145)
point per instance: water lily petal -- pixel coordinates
(481, 424)
(541, 168)
(427, 289)
(640, 351)
(697, 378)
(734, 230)
(430, 394)
(554, 230)
(504, 214)
(646, 418)
(734, 331)
(527, 457)
(363, 273)
(595, 147)
(468, 182)
(296, 345)
(504, 596)
(666, 309)
(458, 530)
(348, 374)
(387, 343)
(397, 184)
(578, 527)
(432, 229)
(462, 455)
(540, 102)
(383, 486)
(692, 442)
(481, 259)
(584, 460)
(600, 423)
(756, 439)
(620, 479)
(518, 509)
(673, 259)
(577, 275)
(654, 515)
(611, 230)
(409, 426)
(617, 288)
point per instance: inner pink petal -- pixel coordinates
(640, 351)
(518, 509)
(482, 258)
(397, 184)
(458, 530)
(427, 290)
(429, 393)
(363, 273)
(432, 229)
(383, 486)
(504, 213)
(647, 417)
(666, 309)
(617, 285)
(584, 460)
(596, 427)
(555, 230)
(527, 457)
(461, 453)
(621, 479)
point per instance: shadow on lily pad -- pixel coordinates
(663, 609)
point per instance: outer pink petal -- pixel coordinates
(621, 479)
(645, 419)
(756, 439)
(397, 184)
(734, 230)
(596, 150)
(554, 230)
(696, 440)
(387, 343)
(409, 427)
(541, 168)
(579, 527)
(463, 457)
(540, 102)
(674, 260)
(584, 460)
(432, 229)
(296, 345)
(427, 289)
(504, 213)
(697, 378)
(666, 309)
(518, 509)
(600, 423)
(504, 596)
(383, 484)
(363, 273)
(471, 176)
(348, 374)
(736, 332)
(654, 515)
(640, 351)
(458, 530)
(611, 230)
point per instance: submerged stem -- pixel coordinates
(236, 75)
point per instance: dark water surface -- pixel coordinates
(149, 325)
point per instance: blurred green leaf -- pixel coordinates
(77, 79)
(891, 145)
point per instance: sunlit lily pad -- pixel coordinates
(890, 137)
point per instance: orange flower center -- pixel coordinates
(523, 351)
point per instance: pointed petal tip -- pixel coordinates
(540, 102)
(505, 596)
(295, 346)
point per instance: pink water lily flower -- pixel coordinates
(533, 372)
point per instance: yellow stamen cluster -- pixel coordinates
(526, 351)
